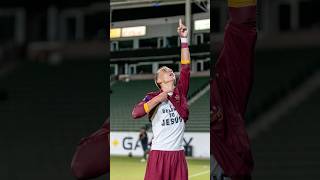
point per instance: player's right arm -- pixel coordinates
(147, 104)
(184, 79)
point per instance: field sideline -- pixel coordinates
(124, 168)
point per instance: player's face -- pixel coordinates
(166, 75)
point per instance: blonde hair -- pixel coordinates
(162, 68)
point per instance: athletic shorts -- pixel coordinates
(166, 165)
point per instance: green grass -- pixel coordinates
(124, 168)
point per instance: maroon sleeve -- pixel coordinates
(184, 79)
(91, 158)
(230, 91)
(235, 63)
(138, 110)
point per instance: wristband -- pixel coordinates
(184, 40)
(185, 56)
(185, 61)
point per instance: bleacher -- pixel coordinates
(126, 94)
(276, 72)
(290, 148)
(49, 109)
(199, 118)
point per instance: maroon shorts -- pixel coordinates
(166, 165)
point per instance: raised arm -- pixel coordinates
(235, 64)
(184, 79)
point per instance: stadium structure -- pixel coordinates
(45, 47)
(286, 84)
(144, 37)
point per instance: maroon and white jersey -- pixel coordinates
(169, 118)
(167, 127)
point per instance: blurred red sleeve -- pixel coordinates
(91, 158)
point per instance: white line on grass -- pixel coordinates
(199, 174)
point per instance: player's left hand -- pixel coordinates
(182, 29)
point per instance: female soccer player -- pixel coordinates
(168, 111)
(230, 89)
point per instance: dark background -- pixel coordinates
(53, 90)
(282, 113)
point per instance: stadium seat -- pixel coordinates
(276, 72)
(290, 148)
(126, 94)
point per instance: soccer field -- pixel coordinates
(124, 168)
